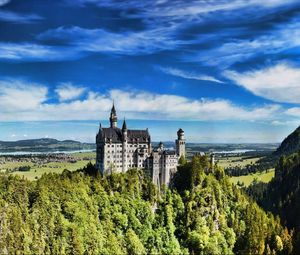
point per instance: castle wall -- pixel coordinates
(120, 149)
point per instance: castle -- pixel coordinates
(120, 149)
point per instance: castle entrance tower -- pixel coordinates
(180, 143)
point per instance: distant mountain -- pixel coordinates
(44, 145)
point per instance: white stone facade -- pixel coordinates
(121, 149)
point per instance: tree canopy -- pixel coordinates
(84, 213)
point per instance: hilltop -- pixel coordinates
(44, 145)
(289, 145)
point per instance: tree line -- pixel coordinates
(84, 213)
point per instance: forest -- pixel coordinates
(282, 195)
(82, 212)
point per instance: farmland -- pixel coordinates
(39, 165)
(248, 179)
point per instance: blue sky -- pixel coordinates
(224, 71)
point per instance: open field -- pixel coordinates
(248, 179)
(37, 170)
(236, 161)
(81, 159)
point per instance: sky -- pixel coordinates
(223, 70)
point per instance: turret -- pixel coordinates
(113, 117)
(124, 127)
(160, 146)
(99, 149)
(124, 147)
(180, 134)
(180, 143)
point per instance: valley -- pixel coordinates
(27, 160)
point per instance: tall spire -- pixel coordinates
(113, 109)
(113, 117)
(124, 127)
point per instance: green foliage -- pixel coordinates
(220, 219)
(182, 160)
(84, 213)
(24, 168)
(282, 195)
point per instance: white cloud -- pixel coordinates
(67, 91)
(18, 96)
(279, 83)
(29, 51)
(28, 102)
(274, 41)
(14, 17)
(181, 9)
(189, 75)
(127, 42)
(144, 104)
(289, 123)
(294, 111)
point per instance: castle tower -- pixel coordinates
(124, 147)
(99, 150)
(113, 117)
(180, 143)
(160, 146)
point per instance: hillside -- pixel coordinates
(43, 145)
(289, 145)
(84, 213)
(282, 195)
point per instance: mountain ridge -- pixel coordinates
(43, 144)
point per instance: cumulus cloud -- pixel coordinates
(178, 107)
(19, 96)
(29, 102)
(67, 91)
(279, 83)
(188, 75)
(294, 111)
